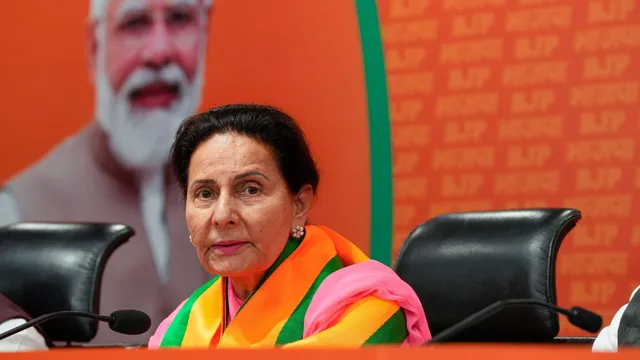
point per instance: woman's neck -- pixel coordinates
(243, 286)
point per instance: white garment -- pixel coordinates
(607, 340)
(152, 194)
(26, 340)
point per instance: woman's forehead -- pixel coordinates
(231, 152)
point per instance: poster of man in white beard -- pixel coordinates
(147, 62)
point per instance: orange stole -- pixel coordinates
(274, 313)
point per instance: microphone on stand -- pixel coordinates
(130, 322)
(580, 317)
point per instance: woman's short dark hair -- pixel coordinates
(266, 124)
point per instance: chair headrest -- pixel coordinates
(461, 263)
(48, 267)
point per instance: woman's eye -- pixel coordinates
(205, 194)
(252, 190)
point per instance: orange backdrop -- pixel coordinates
(522, 103)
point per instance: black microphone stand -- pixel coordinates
(47, 317)
(572, 314)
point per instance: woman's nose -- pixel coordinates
(224, 213)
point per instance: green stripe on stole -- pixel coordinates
(293, 329)
(175, 333)
(393, 331)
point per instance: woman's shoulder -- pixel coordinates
(366, 279)
(156, 338)
(370, 280)
(164, 325)
(367, 276)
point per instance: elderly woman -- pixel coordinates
(249, 179)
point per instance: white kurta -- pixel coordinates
(607, 340)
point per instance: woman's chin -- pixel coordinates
(231, 268)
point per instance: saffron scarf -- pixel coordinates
(321, 291)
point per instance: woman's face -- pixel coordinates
(239, 210)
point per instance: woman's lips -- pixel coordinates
(228, 247)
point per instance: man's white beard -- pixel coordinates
(141, 139)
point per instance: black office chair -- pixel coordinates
(460, 263)
(48, 267)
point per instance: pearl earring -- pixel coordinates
(297, 232)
